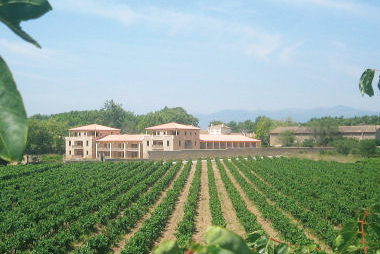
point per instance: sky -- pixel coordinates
(204, 56)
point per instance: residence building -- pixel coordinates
(81, 142)
(170, 137)
(219, 129)
(97, 141)
(358, 132)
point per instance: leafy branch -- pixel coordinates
(366, 80)
(13, 120)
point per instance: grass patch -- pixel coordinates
(328, 157)
(50, 158)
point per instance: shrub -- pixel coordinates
(308, 143)
(346, 145)
(367, 147)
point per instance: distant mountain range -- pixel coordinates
(297, 114)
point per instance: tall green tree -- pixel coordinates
(166, 115)
(46, 136)
(214, 122)
(114, 115)
(263, 126)
(287, 138)
(325, 130)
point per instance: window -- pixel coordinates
(179, 142)
(87, 143)
(70, 152)
(185, 133)
(190, 133)
(188, 144)
(135, 145)
(86, 152)
(195, 143)
(69, 143)
(158, 143)
(147, 143)
(167, 143)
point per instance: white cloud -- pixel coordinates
(352, 7)
(287, 54)
(350, 70)
(247, 39)
(106, 9)
(24, 48)
(265, 47)
(339, 45)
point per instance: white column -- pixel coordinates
(139, 151)
(96, 150)
(124, 151)
(110, 150)
(219, 144)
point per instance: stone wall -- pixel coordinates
(203, 153)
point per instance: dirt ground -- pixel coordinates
(228, 210)
(203, 219)
(266, 225)
(120, 245)
(177, 215)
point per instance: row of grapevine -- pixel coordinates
(143, 240)
(247, 219)
(29, 209)
(186, 227)
(123, 224)
(333, 190)
(53, 227)
(287, 229)
(308, 219)
(118, 198)
(215, 206)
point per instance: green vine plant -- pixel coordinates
(366, 80)
(13, 119)
(359, 236)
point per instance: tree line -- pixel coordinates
(46, 132)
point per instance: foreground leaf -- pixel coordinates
(167, 247)
(13, 122)
(227, 240)
(12, 12)
(365, 83)
(347, 236)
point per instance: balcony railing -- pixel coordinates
(118, 149)
(77, 146)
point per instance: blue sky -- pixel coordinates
(204, 56)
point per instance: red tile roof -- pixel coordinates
(122, 138)
(172, 126)
(94, 127)
(226, 138)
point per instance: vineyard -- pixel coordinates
(131, 207)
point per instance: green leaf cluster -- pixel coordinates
(13, 123)
(365, 82)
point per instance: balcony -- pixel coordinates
(77, 146)
(106, 149)
(158, 147)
